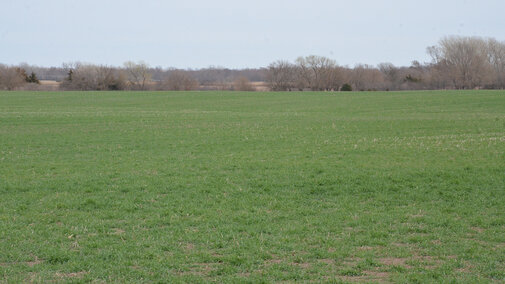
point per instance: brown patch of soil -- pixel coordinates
(245, 274)
(202, 269)
(369, 277)
(400, 245)
(365, 248)
(396, 261)
(466, 269)
(189, 246)
(478, 230)
(327, 260)
(117, 231)
(29, 263)
(79, 274)
(33, 262)
(351, 261)
(273, 261)
(304, 265)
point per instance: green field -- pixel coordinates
(252, 187)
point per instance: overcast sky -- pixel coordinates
(236, 34)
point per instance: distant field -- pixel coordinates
(236, 187)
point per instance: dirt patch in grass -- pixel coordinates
(326, 261)
(245, 274)
(365, 248)
(357, 279)
(303, 265)
(351, 261)
(33, 277)
(467, 268)
(478, 230)
(117, 231)
(33, 262)
(393, 261)
(368, 276)
(28, 263)
(273, 261)
(482, 243)
(427, 262)
(200, 269)
(189, 246)
(376, 274)
(79, 274)
(276, 260)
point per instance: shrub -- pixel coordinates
(242, 84)
(346, 88)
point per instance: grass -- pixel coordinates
(252, 187)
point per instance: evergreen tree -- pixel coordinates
(32, 78)
(70, 73)
(346, 88)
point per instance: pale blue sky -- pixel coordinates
(236, 34)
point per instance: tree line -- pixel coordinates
(456, 63)
(130, 76)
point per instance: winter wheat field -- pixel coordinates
(252, 187)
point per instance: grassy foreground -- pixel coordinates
(251, 187)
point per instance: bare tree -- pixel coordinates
(466, 60)
(365, 77)
(304, 76)
(435, 52)
(81, 77)
(331, 78)
(179, 80)
(314, 72)
(437, 76)
(138, 74)
(496, 58)
(242, 84)
(413, 77)
(281, 75)
(12, 77)
(87, 77)
(391, 74)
